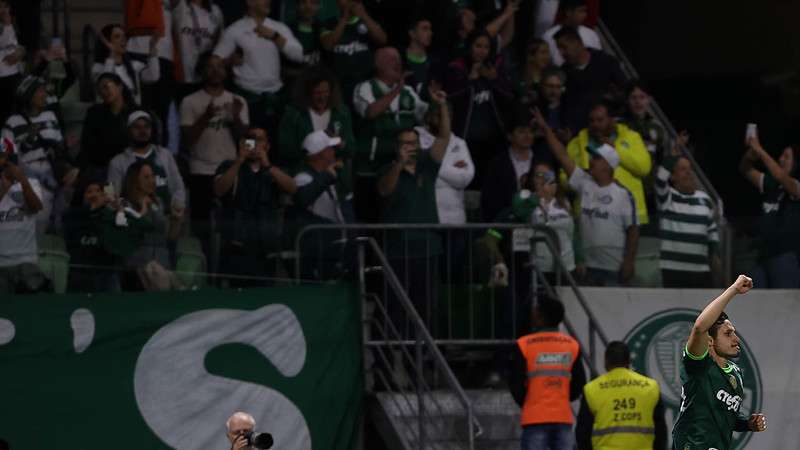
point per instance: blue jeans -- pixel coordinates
(551, 436)
(778, 272)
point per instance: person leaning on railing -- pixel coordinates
(249, 188)
(407, 188)
(688, 231)
(540, 202)
(608, 219)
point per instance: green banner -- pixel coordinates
(158, 371)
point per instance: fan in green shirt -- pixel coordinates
(712, 391)
(349, 41)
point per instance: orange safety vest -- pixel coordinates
(550, 356)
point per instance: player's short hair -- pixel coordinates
(717, 323)
(618, 354)
(551, 310)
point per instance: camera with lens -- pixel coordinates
(259, 440)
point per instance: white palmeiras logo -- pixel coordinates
(656, 345)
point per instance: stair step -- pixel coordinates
(446, 425)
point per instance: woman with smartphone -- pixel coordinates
(144, 220)
(479, 90)
(779, 227)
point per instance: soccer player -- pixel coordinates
(712, 390)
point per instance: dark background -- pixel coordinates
(713, 67)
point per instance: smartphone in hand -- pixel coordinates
(751, 132)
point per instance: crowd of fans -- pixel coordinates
(253, 130)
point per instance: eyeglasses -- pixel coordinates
(548, 176)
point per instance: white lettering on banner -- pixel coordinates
(731, 401)
(82, 322)
(187, 407)
(7, 331)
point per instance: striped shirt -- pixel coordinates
(37, 139)
(687, 226)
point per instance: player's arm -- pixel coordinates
(698, 338)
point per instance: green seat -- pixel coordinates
(54, 261)
(191, 267)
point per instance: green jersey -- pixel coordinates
(710, 400)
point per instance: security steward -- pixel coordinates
(546, 375)
(621, 409)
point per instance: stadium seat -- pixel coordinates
(54, 261)
(191, 267)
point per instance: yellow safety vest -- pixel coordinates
(622, 403)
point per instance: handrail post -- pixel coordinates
(420, 395)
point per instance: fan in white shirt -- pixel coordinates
(198, 25)
(262, 41)
(455, 174)
(575, 13)
(609, 225)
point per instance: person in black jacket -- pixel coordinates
(94, 267)
(318, 201)
(105, 128)
(591, 75)
(507, 168)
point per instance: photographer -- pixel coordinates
(239, 426)
(779, 227)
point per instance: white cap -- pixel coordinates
(608, 153)
(319, 141)
(139, 114)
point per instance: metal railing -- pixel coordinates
(726, 249)
(495, 301)
(415, 394)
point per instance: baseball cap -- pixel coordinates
(318, 141)
(608, 153)
(139, 114)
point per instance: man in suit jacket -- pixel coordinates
(508, 167)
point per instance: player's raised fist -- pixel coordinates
(743, 284)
